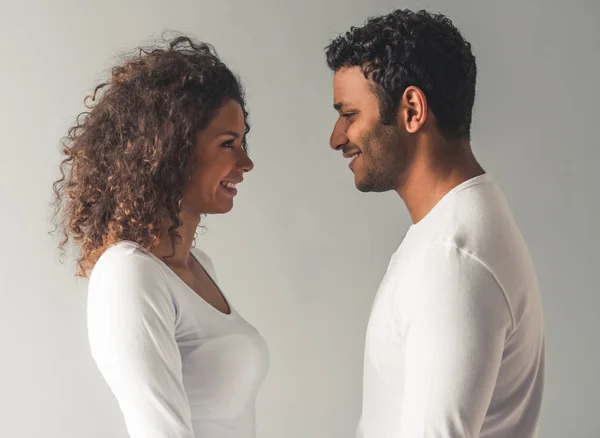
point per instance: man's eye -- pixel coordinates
(347, 115)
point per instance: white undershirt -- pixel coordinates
(455, 343)
(179, 368)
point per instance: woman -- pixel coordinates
(163, 143)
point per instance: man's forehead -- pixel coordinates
(348, 83)
(352, 93)
(353, 75)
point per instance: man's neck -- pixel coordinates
(430, 178)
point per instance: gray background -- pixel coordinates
(302, 252)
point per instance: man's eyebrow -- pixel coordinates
(339, 105)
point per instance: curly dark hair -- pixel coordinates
(421, 49)
(129, 157)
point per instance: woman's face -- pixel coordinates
(221, 163)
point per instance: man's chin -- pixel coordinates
(366, 186)
(362, 185)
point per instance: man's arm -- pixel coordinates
(454, 338)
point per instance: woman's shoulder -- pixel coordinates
(125, 263)
(128, 285)
(124, 254)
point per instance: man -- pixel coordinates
(455, 341)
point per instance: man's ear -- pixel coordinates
(413, 109)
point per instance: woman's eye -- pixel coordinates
(228, 144)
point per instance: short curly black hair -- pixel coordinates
(128, 158)
(421, 49)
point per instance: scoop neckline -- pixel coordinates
(162, 264)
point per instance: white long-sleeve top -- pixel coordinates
(455, 340)
(178, 367)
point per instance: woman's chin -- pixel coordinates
(221, 207)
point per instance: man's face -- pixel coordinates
(378, 153)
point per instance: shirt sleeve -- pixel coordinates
(454, 336)
(131, 328)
